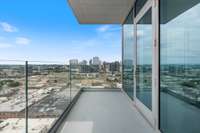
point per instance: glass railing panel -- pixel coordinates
(105, 76)
(48, 94)
(12, 96)
(34, 95)
(76, 78)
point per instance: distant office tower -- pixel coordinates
(89, 69)
(84, 62)
(96, 61)
(115, 66)
(73, 62)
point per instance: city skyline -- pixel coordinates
(94, 60)
(66, 62)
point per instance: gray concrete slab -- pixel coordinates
(104, 112)
(101, 11)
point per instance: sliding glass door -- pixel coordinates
(144, 33)
(144, 60)
(140, 62)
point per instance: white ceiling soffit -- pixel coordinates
(101, 11)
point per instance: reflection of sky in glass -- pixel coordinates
(144, 40)
(128, 55)
(144, 59)
(128, 41)
(180, 40)
(144, 44)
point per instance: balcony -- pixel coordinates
(104, 111)
(49, 97)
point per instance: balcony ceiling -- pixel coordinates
(101, 11)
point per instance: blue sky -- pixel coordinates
(47, 30)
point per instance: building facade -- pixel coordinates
(73, 62)
(160, 59)
(96, 61)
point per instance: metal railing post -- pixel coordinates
(26, 93)
(70, 78)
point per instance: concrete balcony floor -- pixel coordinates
(104, 112)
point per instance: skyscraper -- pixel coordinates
(96, 61)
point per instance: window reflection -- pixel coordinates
(180, 66)
(144, 60)
(139, 4)
(128, 55)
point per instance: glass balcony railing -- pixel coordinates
(95, 76)
(48, 94)
(12, 97)
(34, 95)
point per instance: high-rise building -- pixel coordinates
(73, 62)
(160, 76)
(96, 61)
(114, 66)
(84, 62)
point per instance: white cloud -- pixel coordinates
(111, 29)
(7, 27)
(140, 33)
(103, 28)
(5, 45)
(22, 41)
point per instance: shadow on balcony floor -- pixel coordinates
(104, 112)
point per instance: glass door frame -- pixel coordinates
(151, 115)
